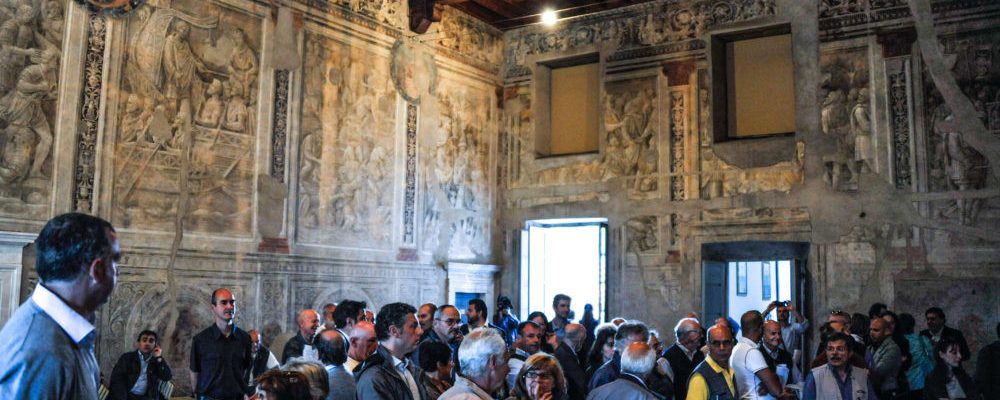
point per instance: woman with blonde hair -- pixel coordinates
(541, 378)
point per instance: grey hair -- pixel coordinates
(319, 383)
(628, 329)
(476, 349)
(686, 325)
(638, 360)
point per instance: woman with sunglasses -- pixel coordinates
(541, 378)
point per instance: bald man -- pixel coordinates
(775, 354)
(299, 345)
(567, 354)
(262, 360)
(220, 353)
(886, 359)
(363, 344)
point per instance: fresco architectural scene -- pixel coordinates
(387, 165)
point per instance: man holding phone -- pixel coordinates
(137, 374)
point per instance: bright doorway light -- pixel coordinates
(567, 256)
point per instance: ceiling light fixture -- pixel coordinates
(549, 17)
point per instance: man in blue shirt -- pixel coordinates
(47, 346)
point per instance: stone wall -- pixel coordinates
(362, 174)
(898, 203)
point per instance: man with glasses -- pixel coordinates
(220, 354)
(446, 329)
(838, 379)
(713, 379)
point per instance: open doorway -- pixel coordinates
(742, 276)
(567, 256)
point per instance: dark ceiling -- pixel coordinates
(509, 14)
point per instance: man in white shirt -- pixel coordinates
(754, 380)
(47, 346)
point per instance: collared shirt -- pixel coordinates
(746, 360)
(465, 389)
(220, 362)
(350, 364)
(404, 372)
(791, 335)
(688, 353)
(142, 383)
(76, 326)
(698, 386)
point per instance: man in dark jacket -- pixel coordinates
(684, 355)
(988, 369)
(937, 331)
(262, 360)
(630, 331)
(566, 354)
(389, 374)
(137, 374)
(299, 345)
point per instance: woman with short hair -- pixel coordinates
(282, 385)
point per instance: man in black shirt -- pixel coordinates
(220, 354)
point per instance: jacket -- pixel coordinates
(607, 373)
(988, 370)
(886, 360)
(626, 387)
(379, 379)
(126, 373)
(936, 384)
(576, 377)
(465, 389)
(953, 334)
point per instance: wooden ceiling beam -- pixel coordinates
(505, 9)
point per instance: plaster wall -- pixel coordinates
(864, 180)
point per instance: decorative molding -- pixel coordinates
(900, 112)
(279, 131)
(83, 193)
(678, 132)
(410, 191)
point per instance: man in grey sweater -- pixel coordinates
(47, 347)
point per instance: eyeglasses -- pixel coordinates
(449, 321)
(721, 343)
(538, 375)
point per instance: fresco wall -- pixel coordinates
(897, 203)
(361, 174)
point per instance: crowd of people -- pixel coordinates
(427, 352)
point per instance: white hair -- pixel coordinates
(638, 360)
(476, 349)
(686, 325)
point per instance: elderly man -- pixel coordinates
(569, 360)
(837, 379)
(137, 374)
(683, 355)
(483, 358)
(299, 345)
(446, 329)
(331, 347)
(628, 332)
(388, 374)
(886, 359)
(637, 361)
(261, 358)
(363, 344)
(220, 354)
(712, 378)
(775, 354)
(791, 333)
(754, 380)
(529, 339)
(47, 346)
